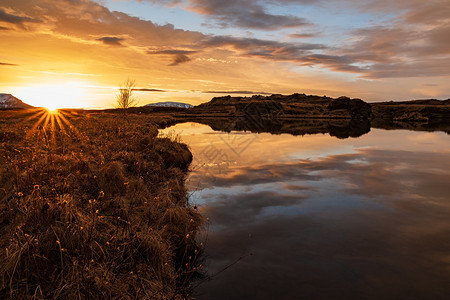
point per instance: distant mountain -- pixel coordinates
(9, 101)
(171, 104)
(415, 102)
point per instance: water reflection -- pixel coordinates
(341, 128)
(316, 217)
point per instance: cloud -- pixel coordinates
(164, 2)
(252, 15)
(402, 52)
(302, 35)
(4, 28)
(264, 48)
(15, 19)
(111, 41)
(293, 187)
(171, 52)
(149, 90)
(299, 53)
(415, 45)
(422, 28)
(244, 14)
(79, 20)
(388, 6)
(179, 59)
(419, 68)
(237, 92)
(179, 56)
(334, 62)
(7, 64)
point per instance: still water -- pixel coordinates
(317, 217)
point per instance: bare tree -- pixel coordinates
(125, 97)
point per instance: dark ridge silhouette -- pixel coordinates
(281, 106)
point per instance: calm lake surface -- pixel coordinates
(317, 217)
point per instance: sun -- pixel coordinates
(53, 97)
(52, 109)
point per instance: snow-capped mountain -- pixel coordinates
(171, 104)
(9, 101)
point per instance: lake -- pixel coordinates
(318, 217)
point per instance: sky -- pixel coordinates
(77, 53)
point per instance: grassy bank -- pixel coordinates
(93, 206)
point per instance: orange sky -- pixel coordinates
(76, 53)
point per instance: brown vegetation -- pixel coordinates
(93, 207)
(428, 111)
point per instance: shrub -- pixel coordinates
(125, 98)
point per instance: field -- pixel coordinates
(93, 205)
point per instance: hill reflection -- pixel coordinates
(340, 128)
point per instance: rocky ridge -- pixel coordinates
(285, 106)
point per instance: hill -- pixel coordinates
(428, 110)
(284, 106)
(8, 101)
(301, 106)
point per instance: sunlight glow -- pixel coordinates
(52, 110)
(52, 97)
(55, 122)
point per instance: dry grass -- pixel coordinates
(93, 207)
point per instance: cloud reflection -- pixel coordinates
(242, 209)
(394, 243)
